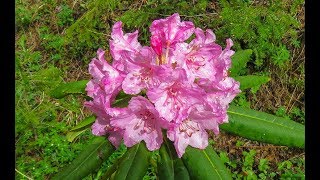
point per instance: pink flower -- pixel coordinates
(192, 130)
(156, 44)
(187, 133)
(225, 89)
(223, 62)
(200, 55)
(187, 86)
(219, 95)
(105, 79)
(171, 30)
(140, 121)
(146, 74)
(103, 88)
(174, 95)
(122, 47)
(165, 33)
(146, 77)
(102, 127)
(104, 85)
(99, 127)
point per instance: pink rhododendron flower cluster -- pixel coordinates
(181, 87)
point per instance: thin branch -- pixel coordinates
(23, 174)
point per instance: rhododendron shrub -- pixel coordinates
(164, 98)
(178, 86)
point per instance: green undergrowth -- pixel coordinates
(248, 166)
(267, 30)
(42, 123)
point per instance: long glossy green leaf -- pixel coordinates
(169, 165)
(134, 164)
(80, 128)
(180, 170)
(65, 89)
(263, 127)
(73, 134)
(88, 160)
(85, 123)
(111, 170)
(251, 81)
(165, 164)
(239, 61)
(205, 164)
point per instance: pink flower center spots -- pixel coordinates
(173, 94)
(189, 127)
(146, 121)
(196, 61)
(111, 129)
(195, 48)
(193, 60)
(144, 74)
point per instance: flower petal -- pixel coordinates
(171, 30)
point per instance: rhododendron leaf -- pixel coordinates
(73, 134)
(85, 123)
(251, 81)
(165, 164)
(180, 170)
(263, 127)
(205, 164)
(77, 87)
(111, 171)
(134, 164)
(80, 128)
(169, 165)
(88, 160)
(239, 61)
(122, 101)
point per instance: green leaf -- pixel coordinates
(239, 61)
(111, 170)
(73, 134)
(251, 81)
(169, 165)
(88, 160)
(165, 164)
(80, 128)
(121, 100)
(85, 123)
(180, 170)
(263, 165)
(263, 127)
(77, 87)
(134, 164)
(205, 164)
